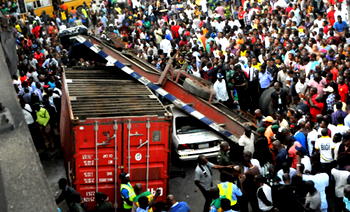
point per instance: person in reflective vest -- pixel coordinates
(229, 191)
(127, 192)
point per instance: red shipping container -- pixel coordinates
(121, 122)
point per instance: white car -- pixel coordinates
(192, 138)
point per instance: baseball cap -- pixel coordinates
(124, 175)
(268, 119)
(219, 76)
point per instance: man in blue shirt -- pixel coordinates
(281, 154)
(177, 206)
(265, 79)
(340, 25)
(339, 113)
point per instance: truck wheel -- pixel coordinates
(265, 102)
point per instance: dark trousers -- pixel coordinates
(249, 198)
(339, 204)
(208, 200)
(326, 167)
(254, 95)
(243, 99)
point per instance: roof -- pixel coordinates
(109, 93)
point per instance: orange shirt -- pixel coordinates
(268, 134)
(203, 39)
(240, 41)
(335, 73)
(64, 7)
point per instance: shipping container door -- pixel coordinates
(146, 151)
(97, 174)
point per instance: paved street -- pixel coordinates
(54, 170)
(183, 188)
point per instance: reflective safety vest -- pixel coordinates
(131, 192)
(226, 190)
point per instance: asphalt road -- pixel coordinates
(181, 182)
(183, 187)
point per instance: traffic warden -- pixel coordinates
(230, 191)
(127, 192)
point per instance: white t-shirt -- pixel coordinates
(325, 145)
(340, 177)
(311, 136)
(291, 173)
(300, 87)
(255, 162)
(314, 201)
(220, 90)
(340, 129)
(321, 181)
(307, 163)
(247, 143)
(27, 114)
(165, 45)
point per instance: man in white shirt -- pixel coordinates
(220, 88)
(247, 140)
(301, 85)
(341, 11)
(224, 42)
(264, 194)
(340, 177)
(282, 76)
(313, 200)
(286, 170)
(325, 146)
(165, 45)
(340, 128)
(321, 181)
(319, 21)
(248, 156)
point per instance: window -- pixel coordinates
(37, 4)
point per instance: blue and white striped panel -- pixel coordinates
(177, 102)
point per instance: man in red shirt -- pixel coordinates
(315, 103)
(333, 70)
(241, 13)
(289, 8)
(36, 30)
(39, 56)
(343, 89)
(175, 30)
(330, 16)
(183, 42)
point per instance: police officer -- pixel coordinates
(224, 160)
(127, 192)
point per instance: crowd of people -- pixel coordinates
(296, 160)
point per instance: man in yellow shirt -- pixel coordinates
(256, 64)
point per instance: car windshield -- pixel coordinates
(185, 125)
